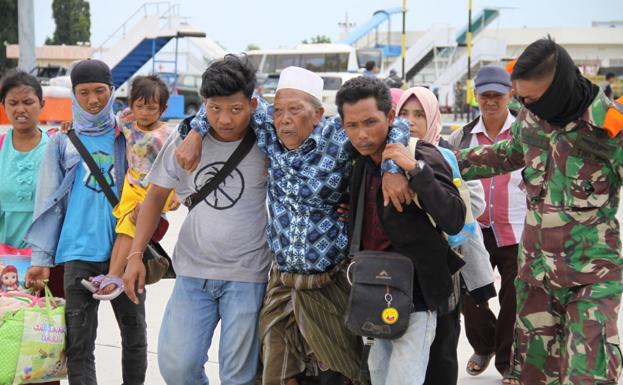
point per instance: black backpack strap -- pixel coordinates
(93, 167)
(236, 157)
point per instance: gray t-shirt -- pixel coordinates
(223, 237)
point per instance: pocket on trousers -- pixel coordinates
(75, 318)
(612, 350)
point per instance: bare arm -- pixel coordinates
(146, 224)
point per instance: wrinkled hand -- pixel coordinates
(175, 203)
(65, 127)
(401, 155)
(134, 278)
(344, 210)
(127, 114)
(188, 154)
(396, 189)
(134, 214)
(37, 277)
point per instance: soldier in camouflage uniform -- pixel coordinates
(569, 279)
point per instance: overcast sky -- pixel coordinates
(273, 23)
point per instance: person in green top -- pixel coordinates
(21, 150)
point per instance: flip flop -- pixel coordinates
(110, 280)
(93, 283)
(508, 378)
(481, 361)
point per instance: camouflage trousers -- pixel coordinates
(567, 336)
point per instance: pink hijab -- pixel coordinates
(396, 94)
(431, 110)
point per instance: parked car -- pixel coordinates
(268, 87)
(189, 86)
(45, 73)
(332, 83)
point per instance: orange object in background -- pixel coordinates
(510, 66)
(55, 110)
(3, 117)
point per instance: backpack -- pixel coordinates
(469, 230)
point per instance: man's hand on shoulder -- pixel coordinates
(188, 154)
(396, 190)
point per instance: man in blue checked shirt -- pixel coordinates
(309, 167)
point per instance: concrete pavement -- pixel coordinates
(108, 346)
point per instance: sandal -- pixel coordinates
(508, 378)
(481, 361)
(93, 283)
(110, 280)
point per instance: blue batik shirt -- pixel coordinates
(305, 187)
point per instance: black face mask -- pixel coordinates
(569, 95)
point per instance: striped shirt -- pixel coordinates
(504, 195)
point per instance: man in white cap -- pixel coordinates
(309, 166)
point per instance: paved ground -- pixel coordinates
(108, 351)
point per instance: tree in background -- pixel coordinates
(8, 32)
(73, 22)
(318, 39)
(252, 47)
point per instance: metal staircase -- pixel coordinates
(142, 35)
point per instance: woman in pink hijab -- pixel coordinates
(419, 106)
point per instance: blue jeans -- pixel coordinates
(194, 309)
(403, 361)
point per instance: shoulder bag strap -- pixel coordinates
(355, 244)
(93, 167)
(239, 153)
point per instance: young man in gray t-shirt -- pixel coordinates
(221, 257)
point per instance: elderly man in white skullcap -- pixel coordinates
(309, 166)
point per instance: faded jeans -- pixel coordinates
(195, 308)
(403, 361)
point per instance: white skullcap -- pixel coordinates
(298, 78)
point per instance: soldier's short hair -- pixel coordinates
(537, 61)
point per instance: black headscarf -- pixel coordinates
(569, 95)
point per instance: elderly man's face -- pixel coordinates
(295, 116)
(493, 105)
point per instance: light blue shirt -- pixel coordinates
(88, 231)
(18, 173)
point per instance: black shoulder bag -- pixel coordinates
(157, 262)
(381, 297)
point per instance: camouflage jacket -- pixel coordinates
(572, 178)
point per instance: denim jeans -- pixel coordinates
(403, 361)
(81, 318)
(194, 309)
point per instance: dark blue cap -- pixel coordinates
(493, 78)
